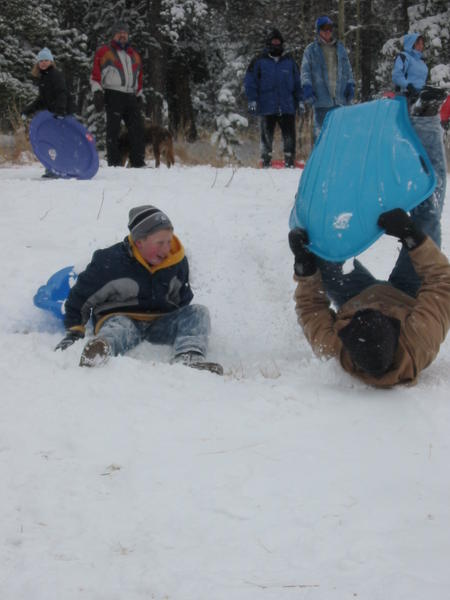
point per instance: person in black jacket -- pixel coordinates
(138, 290)
(53, 94)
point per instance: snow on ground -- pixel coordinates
(284, 479)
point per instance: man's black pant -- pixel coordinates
(287, 126)
(121, 106)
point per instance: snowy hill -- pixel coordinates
(284, 479)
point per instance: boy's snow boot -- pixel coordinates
(195, 360)
(95, 353)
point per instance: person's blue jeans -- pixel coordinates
(341, 287)
(319, 117)
(186, 329)
(427, 216)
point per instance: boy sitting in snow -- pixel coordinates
(380, 334)
(139, 290)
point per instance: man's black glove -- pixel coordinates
(305, 261)
(399, 224)
(70, 338)
(140, 102)
(99, 100)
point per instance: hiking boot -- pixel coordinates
(195, 360)
(95, 353)
(49, 175)
(266, 162)
(288, 161)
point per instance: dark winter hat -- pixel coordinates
(120, 26)
(371, 339)
(274, 34)
(143, 220)
(321, 21)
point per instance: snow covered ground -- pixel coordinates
(285, 479)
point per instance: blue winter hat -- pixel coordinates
(45, 54)
(321, 21)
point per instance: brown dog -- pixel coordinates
(156, 137)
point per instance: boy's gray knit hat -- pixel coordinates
(143, 220)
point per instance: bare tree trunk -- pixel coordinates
(155, 64)
(341, 19)
(181, 111)
(358, 50)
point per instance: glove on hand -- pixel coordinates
(305, 261)
(252, 107)
(140, 102)
(399, 224)
(411, 91)
(349, 92)
(99, 100)
(308, 94)
(70, 338)
(444, 125)
(301, 108)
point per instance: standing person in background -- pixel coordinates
(53, 95)
(327, 77)
(410, 74)
(410, 71)
(116, 82)
(272, 85)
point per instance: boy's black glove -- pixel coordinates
(399, 224)
(99, 100)
(305, 261)
(70, 338)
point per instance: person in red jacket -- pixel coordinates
(116, 82)
(445, 113)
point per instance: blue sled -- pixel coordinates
(368, 159)
(52, 296)
(64, 146)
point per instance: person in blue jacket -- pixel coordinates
(273, 89)
(410, 71)
(326, 73)
(410, 74)
(138, 290)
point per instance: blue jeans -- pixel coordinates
(186, 329)
(427, 216)
(319, 117)
(341, 287)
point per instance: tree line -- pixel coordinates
(195, 52)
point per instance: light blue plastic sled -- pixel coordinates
(53, 294)
(368, 159)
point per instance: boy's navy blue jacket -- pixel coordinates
(119, 281)
(274, 84)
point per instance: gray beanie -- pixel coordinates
(143, 220)
(120, 26)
